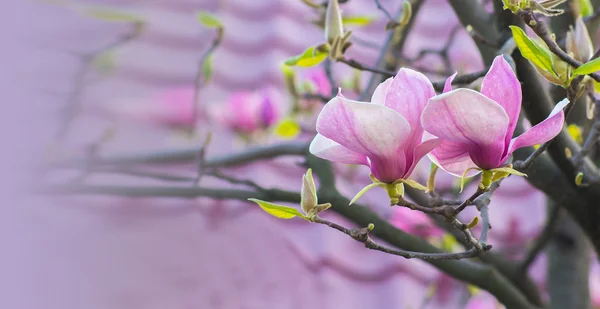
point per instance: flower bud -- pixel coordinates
(333, 21)
(308, 194)
(579, 179)
(578, 41)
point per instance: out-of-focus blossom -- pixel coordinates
(318, 79)
(385, 134)
(414, 222)
(315, 82)
(172, 108)
(578, 41)
(477, 128)
(248, 112)
(482, 301)
(595, 284)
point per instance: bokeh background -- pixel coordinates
(62, 252)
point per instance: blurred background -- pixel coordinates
(83, 81)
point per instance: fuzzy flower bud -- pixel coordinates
(578, 41)
(333, 21)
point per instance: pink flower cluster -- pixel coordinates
(405, 120)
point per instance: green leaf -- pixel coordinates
(585, 7)
(596, 86)
(310, 57)
(588, 67)
(357, 20)
(108, 14)
(209, 20)
(532, 51)
(279, 211)
(288, 129)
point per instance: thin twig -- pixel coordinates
(201, 158)
(386, 12)
(469, 201)
(199, 82)
(362, 235)
(461, 79)
(359, 66)
(190, 154)
(73, 103)
(233, 180)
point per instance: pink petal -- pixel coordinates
(368, 129)
(448, 84)
(327, 149)
(408, 94)
(381, 91)
(453, 158)
(501, 85)
(541, 132)
(465, 116)
(419, 152)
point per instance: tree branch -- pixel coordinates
(190, 154)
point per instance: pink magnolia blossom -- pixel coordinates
(415, 223)
(482, 301)
(385, 135)
(247, 112)
(476, 128)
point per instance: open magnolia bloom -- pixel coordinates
(385, 134)
(476, 128)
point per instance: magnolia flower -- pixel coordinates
(476, 128)
(385, 135)
(248, 112)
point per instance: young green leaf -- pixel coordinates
(588, 67)
(310, 57)
(532, 51)
(586, 8)
(279, 211)
(287, 128)
(357, 20)
(208, 20)
(108, 14)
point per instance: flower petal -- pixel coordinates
(465, 116)
(327, 149)
(541, 132)
(381, 91)
(369, 129)
(451, 157)
(408, 94)
(448, 84)
(501, 85)
(420, 151)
